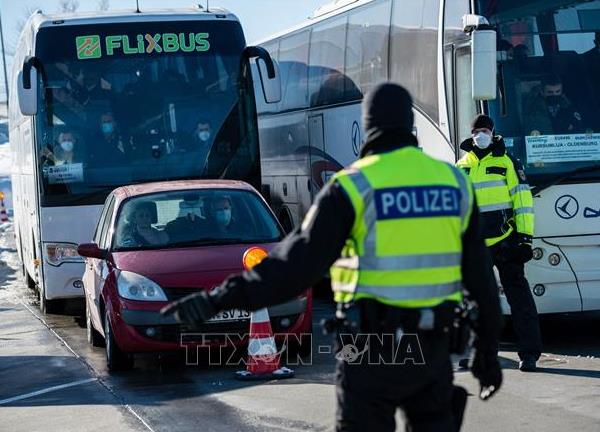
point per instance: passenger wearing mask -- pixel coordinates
(202, 140)
(190, 224)
(66, 152)
(109, 147)
(548, 111)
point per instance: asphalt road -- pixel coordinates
(52, 380)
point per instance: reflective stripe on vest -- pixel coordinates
(396, 277)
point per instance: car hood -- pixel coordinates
(196, 266)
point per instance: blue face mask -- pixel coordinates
(108, 128)
(223, 216)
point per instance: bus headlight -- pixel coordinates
(538, 253)
(133, 286)
(554, 259)
(58, 253)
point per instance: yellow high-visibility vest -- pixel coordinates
(405, 246)
(503, 195)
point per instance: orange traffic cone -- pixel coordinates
(3, 214)
(263, 358)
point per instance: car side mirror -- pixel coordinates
(483, 57)
(268, 72)
(92, 250)
(27, 88)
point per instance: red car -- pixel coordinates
(155, 243)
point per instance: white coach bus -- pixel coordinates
(100, 101)
(543, 67)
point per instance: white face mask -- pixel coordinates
(482, 140)
(67, 146)
(204, 135)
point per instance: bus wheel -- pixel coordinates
(93, 336)
(28, 280)
(116, 360)
(50, 306)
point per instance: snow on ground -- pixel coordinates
(5, 165)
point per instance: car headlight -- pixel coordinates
(58, 253)
(133, 286)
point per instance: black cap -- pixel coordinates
(387, 107)
(482, 121)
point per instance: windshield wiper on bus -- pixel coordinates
(558, 180)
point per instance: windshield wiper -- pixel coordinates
(558, 180)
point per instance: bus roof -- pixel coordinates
(323, 12)
(39, 19)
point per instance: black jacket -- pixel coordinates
(305, 255)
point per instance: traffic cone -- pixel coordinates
(3, 214)
(263, 359)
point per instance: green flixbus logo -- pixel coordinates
(90, 47)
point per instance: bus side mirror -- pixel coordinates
(27, 87)
(268, 71)
(483, 57)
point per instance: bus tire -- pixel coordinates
(116, 360)
(28, 280)
(50, 306)
(94, 337)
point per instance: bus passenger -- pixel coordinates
(66, 152)
(550, 112)
(109, 148)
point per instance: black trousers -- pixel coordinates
(368, 393)
(524, 312)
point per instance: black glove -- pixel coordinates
(524, 251)
(193, 309)
(486, 369)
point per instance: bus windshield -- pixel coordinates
(548, 102)
(138, 102)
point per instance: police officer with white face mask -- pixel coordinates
(506, 207)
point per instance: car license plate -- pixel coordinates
(231, 315)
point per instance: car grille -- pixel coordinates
(176, 293)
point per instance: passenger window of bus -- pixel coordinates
(261, 106)
(293, 64)
(414, 37)
(367, 45)
(327, 81)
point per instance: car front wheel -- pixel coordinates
(116, 359)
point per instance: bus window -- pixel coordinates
(327, 81)
(414, 51)
(367, 45)
(134, 114)
(293, 63)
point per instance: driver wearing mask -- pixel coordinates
(222, 217)
(551, 112)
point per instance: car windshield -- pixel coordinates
(134, 102)
(190, 218)
(548, 105)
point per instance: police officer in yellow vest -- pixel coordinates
(398, 231)
(506, 207)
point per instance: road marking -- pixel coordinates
(89, 367)
(46, 390)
